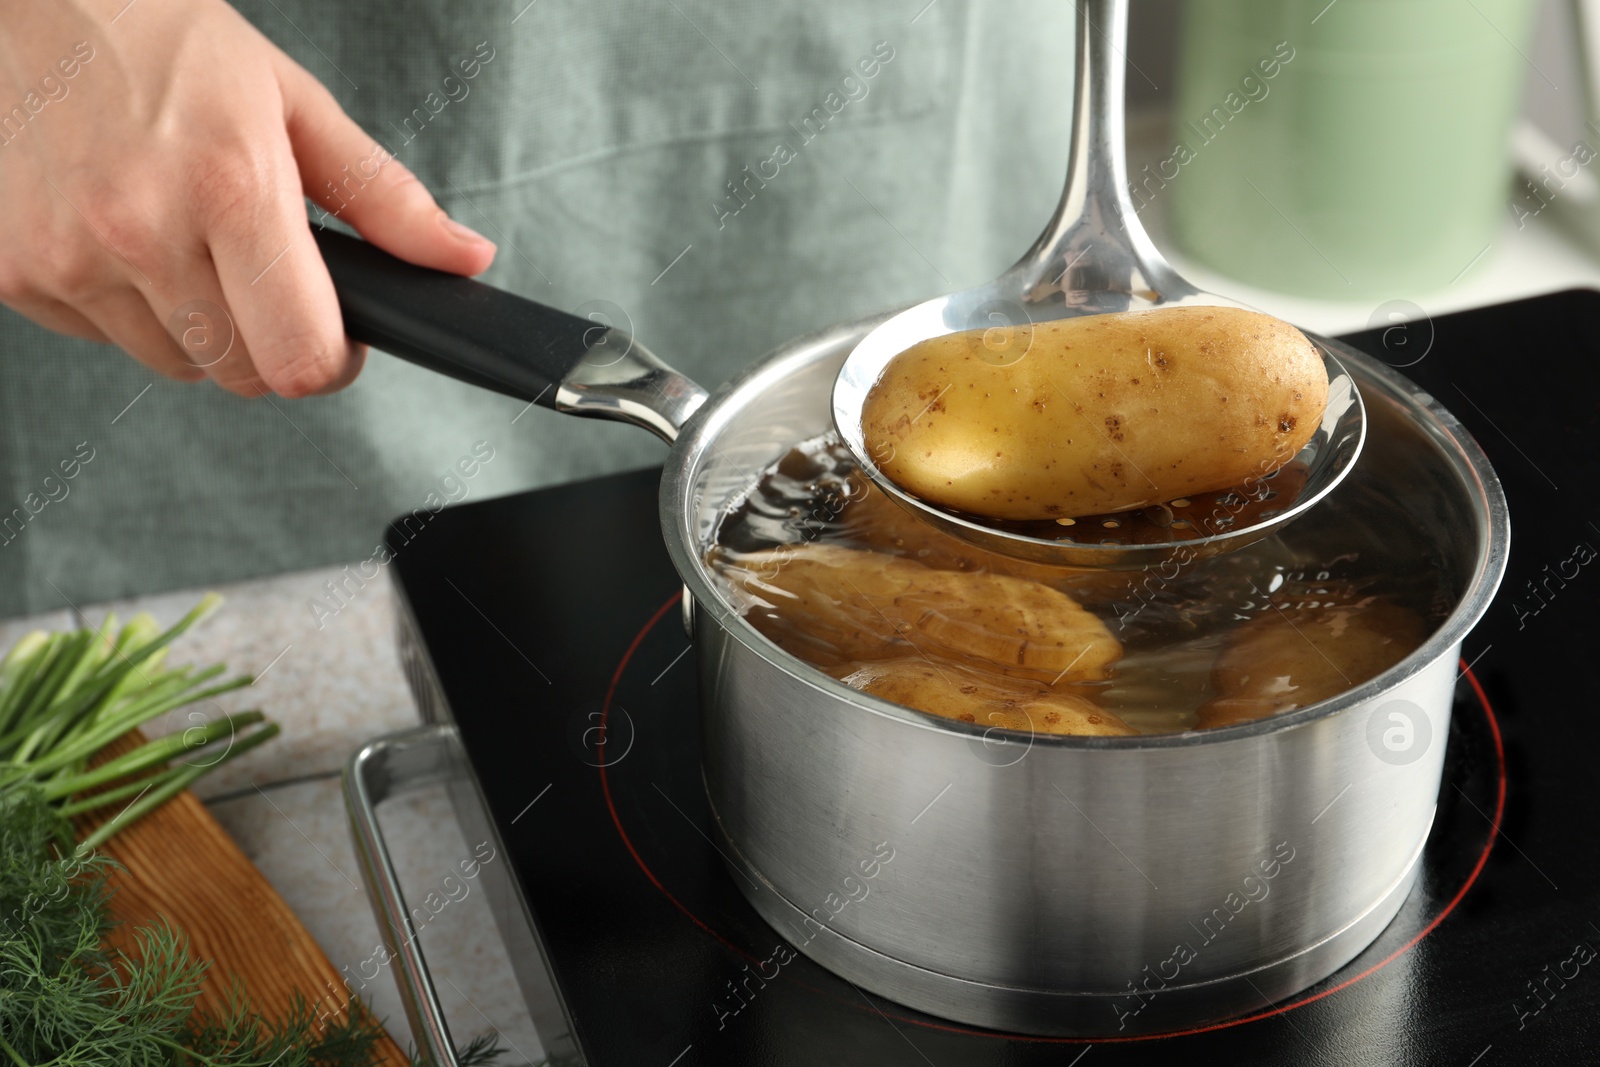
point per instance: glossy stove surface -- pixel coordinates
(547, 613)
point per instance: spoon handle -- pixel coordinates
(1095, 242)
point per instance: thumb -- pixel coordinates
(355, 179)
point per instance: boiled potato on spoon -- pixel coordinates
(1075, 446)
(1101, 413)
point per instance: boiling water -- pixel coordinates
(1172, 620)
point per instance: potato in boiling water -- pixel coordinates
(1102, 413)
(954, 692)
(876, 522)
(1297, 655)
(829, 605)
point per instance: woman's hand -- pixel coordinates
(153, 159)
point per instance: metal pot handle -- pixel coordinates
(392, 764)
(498, 340)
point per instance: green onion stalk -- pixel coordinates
(66, 696)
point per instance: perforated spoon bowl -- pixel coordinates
(1094, 258)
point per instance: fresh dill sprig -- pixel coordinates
(480, 1051)
(66, 999)
(240, 1038)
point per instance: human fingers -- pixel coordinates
(125, 319)
(355, 179)
(273, 281)
(57, 316)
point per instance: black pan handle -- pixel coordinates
(453, 325)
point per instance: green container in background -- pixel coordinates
(1350, 150)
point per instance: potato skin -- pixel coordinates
(1103, 413)
(1299, 654)
(952, 691)
(878, 523)
(828, 604)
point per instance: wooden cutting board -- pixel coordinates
(182, 866)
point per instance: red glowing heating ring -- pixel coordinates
(1477, 869)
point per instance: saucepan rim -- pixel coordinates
(1466, 461)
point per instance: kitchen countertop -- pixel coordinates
(332, 689)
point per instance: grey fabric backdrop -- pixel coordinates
(593, 147)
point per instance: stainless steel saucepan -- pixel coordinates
(1049, 885)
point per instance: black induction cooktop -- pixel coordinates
(548, 614)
